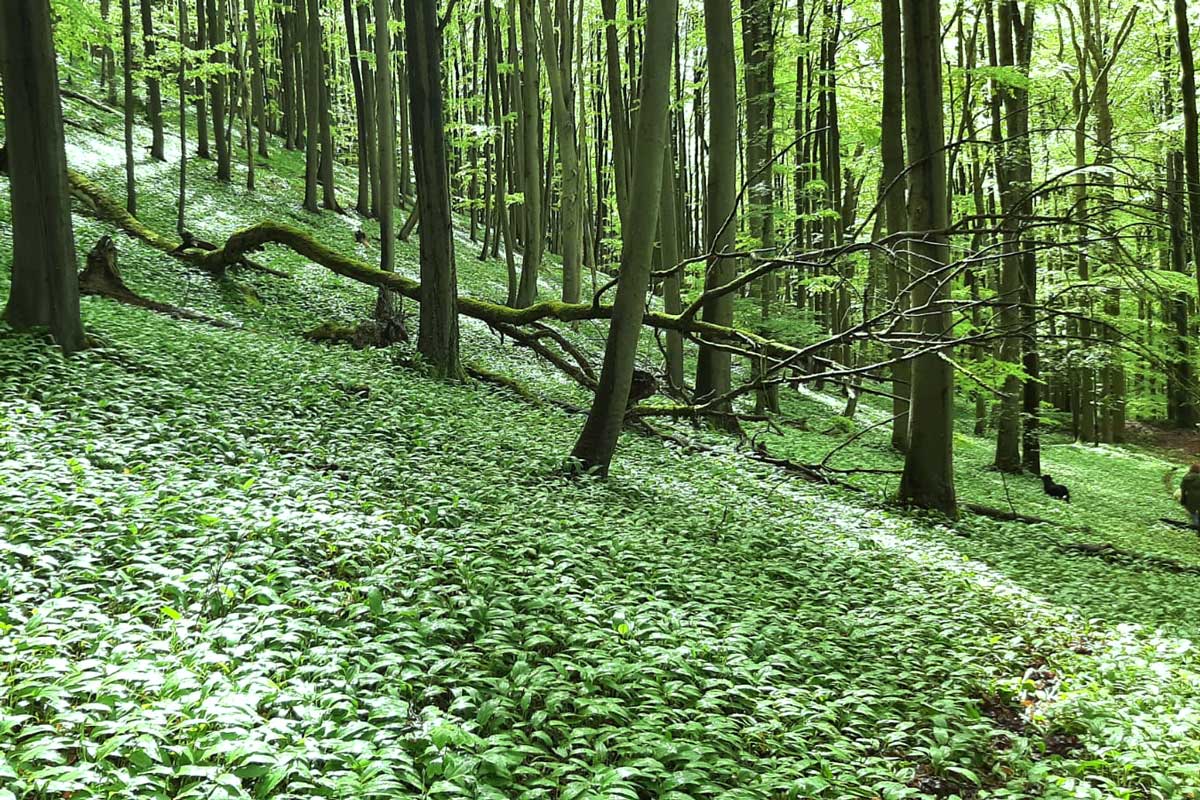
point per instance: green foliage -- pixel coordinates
(237, 564)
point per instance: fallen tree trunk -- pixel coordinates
(254, 238)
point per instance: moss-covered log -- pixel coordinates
(254, 238)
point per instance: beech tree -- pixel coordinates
(44, 292)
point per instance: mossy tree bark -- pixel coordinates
(44, 292)
(437, 340)
(928, 477)
(598, 440)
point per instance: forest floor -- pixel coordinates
(234, 563)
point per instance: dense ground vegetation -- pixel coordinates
(579, 399)
(235, 563)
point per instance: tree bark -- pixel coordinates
(44, 292)
(219, 88)
(928, 477)
(571, 197)
(531, 129)
(127, 47)
(309, 32)
(894, 210)
(437, 340)
(598, 440)
(713, 368)
(153, 87)
(386, 116)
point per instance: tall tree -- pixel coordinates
(713, 378)
(928, 477)
(181, 207)
(127, 69)
(219, 88)
(153, 87)
(530, 134)
(437, 339)
(1191, 127)
(44, 292)
(558, 73)
(308, 25)
(258, 105)
(758, 47)
(894, 210)
(598, 440)
(386, 117)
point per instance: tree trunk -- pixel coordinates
(309, 29)
(758, 46)
(127, 47)
(153, 87)
(438, 337)
(571, 203)
(257, 81)
(713, 368)
(928, 477)
(44, 292)
(202, 149)
(370, 120)
(219, 88)
(531, 128)
(363, 199)
(598, 440)
(895, 213)
(386, 116)
(183, 93)
(616, 108)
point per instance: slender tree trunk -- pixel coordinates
(309, 27)
(758, 46)
(386, 116)
(571, 208)
(127, 70)
(672, 286)
(598, 440)
(183, 104)
(713, 369)
(153, 87)
(258, 80)
(1191, 128)
(287, 75)
(202, 148)
(363, 199)
(531, 128)
(438, 337)
(108, 61)
(370, 121)
(928, 478)
(44, 292)
(894, 210)
(219, 88)
(616, 108)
